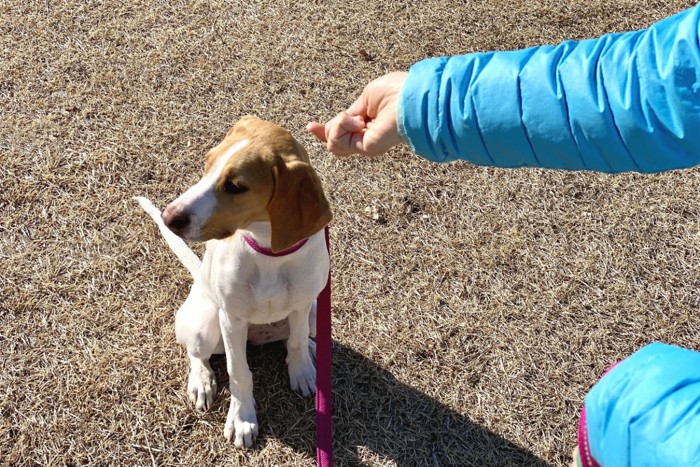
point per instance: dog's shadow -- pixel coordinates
(374, 415)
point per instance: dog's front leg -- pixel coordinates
(301, 367)
(241, 420)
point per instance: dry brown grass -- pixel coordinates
(471, 316)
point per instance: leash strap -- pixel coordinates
(324, 397)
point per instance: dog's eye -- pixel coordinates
(233, 188)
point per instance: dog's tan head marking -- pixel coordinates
(259, 172)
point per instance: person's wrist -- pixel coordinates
(400, 129)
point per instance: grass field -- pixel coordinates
(472, 307)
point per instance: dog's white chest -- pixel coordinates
(259, 299)
(259, 289)
(270, 300)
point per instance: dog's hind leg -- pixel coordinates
(197, 328)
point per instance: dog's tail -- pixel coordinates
(178, 245)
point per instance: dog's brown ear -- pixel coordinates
(298, 208)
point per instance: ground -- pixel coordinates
(472, 307)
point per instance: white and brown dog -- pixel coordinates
(261, 209)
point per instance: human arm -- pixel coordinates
(621, 102)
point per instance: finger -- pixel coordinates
(342, 132)
(318, 130)
(351, 123)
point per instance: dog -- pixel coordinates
(261, 210)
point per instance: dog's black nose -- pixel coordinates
(177, 222)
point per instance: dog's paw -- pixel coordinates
(243, 429)
(201, 386)
(302, 375)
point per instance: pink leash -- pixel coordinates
(324, 397)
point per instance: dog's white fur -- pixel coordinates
(200, 200)
(237, 292)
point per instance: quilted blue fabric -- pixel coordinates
(621, 102)
(646, 410)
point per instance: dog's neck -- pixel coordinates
(261, 232)
(258, 236)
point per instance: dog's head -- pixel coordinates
(259, 172)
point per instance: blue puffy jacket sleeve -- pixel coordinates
(621, 102)
(646, 410)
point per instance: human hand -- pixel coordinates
(368, 126)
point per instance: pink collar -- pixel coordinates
(268, 251)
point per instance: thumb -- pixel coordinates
(358, 108)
